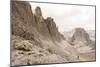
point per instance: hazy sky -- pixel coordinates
(68, 17)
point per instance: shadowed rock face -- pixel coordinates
(53, 30)
(22, 19)
(24, 22)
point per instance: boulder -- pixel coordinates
(23, 45)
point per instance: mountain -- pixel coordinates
(36, 40)
(80, 35)
(83, 41)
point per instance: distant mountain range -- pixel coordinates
(68, 34)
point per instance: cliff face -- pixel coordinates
(36, 40)
(82, 38)
(81, 35)
(24, 22)
(22, 19)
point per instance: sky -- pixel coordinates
(68, 17)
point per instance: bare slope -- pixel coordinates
(36, 40)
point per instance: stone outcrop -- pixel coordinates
(52, 28)
(36, 40)
(38, 15)
(80, 35)
(24, 22)
(22, 19)
(23, 45)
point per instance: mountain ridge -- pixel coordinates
(36, 40)
(34, 37)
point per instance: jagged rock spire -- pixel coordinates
(38, 11)
(38, 15)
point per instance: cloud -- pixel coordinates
(68, 17)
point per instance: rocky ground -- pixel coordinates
(36, 40)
